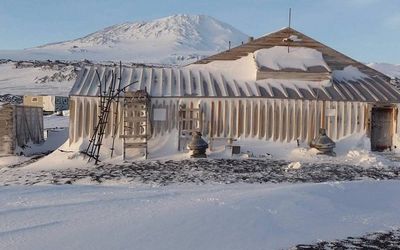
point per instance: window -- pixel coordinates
(34, 99)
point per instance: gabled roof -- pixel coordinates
(334, 59)
(186, 82)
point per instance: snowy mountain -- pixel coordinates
(177, 39)
(392, 70)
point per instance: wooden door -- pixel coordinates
(381, 129)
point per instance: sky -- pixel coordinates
(367, 30)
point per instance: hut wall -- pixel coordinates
(19, 125)
(7, 130)
(28, 122)
(283, 120)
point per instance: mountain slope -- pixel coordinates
(392, 70)
(175, 39)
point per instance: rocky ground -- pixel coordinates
(380, 240)
(13, 99)
(223, 171)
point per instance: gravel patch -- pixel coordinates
(222, 171)
(380, 240)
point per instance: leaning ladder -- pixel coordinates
(106, 99)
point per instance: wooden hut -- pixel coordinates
(50, 104)
(19, 126)
(280, 87)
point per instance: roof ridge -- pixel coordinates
(337, 58)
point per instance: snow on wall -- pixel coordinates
(278, 58)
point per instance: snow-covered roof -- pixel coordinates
(282, 57)
(291, 38)
(348, 73)
(188, 82)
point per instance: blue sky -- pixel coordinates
(367, 30)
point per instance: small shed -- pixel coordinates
(19, 125)
(49, 103)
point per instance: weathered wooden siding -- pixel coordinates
(260, 118)
(7, 130)
(28, 122)
(19, 125)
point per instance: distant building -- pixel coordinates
(50, 104)
(19, 126)
(281, 87)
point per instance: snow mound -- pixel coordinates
(348, 73)
(278, 58)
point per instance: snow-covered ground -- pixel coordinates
(24, 81)
(237, 216)
(55, 121)
(185, 215)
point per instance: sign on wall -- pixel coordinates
(330, 112)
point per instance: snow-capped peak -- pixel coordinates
(194, 31)
(165, 40)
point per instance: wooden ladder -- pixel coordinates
(106, 99)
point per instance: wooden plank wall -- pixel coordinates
(19, 125)
(28, 125)
(7, 133)
(259, 118)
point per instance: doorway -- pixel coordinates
(381, 128)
